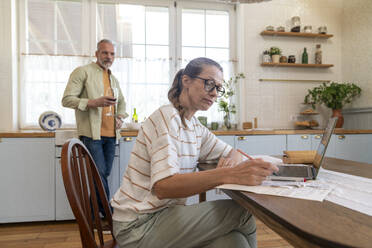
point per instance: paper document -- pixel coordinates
(306, 191)
(349, 191)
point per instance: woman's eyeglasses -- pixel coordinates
(210, 84)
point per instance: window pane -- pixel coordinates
(134, 17)
(155, 52)
(69, 28)
(193, 27)
(217, 29)
(218, 54)
(189, 53)
(40, 31)
(157, 26)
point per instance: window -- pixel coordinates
(153, 40)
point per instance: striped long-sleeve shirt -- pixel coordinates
(163, 147)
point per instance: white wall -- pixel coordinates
(357, 48)
(8, 66)
(274, 102)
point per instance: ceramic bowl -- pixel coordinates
(50, 121)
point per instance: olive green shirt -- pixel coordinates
(85, 83)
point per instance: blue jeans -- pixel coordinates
(103, 152)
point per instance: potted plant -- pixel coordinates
(334, 95)
(275, 53)
(225, 102)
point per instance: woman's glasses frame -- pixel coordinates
(210, 85)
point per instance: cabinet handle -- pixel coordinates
(317, 136)
(304, 137)
(127, 139)
(341, 137)
(241, 138)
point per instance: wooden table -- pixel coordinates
(306, 223)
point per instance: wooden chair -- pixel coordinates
(80, 176)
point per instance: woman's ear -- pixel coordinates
(186, 81)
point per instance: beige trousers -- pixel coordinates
(215, 224)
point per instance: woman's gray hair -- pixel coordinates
(105, 41)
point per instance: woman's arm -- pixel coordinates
(248, 172)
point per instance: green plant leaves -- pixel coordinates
(225, 103)
(334, 95)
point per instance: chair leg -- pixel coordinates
(202, 197)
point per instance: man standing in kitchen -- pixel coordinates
(99, 106)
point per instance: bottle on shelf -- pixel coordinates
(135, 116)
(318, 55)
(305, 57)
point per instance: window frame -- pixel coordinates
(89, 35)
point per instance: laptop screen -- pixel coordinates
(324, 143)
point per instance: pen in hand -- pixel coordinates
(245, 154)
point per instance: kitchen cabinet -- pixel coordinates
(27, 182)
(126, 146)
(356, 147)
(262, 144)
(299, 142)
(114, 178)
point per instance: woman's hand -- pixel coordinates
(226, 162)
(251, 172)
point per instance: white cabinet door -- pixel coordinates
(299, 142)
(228, 139)
(217, 194)
(27, 179)
(356, 147)
(114, 178)
(63, 209)
(261, 144)
(126, 146)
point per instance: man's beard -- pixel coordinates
(104, 64)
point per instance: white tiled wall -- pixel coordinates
(275, 102)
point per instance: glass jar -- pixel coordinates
(308, 29)
(322, 30)
(296, 24)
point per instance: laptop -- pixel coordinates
(300, 171)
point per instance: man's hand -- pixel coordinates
(119, 122)
(103, 101)
(251, 172)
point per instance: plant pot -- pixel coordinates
(275, 58)
(338, 113)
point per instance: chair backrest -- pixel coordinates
(82, 184)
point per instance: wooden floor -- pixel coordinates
(66, 234)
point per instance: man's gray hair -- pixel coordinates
(105, 41)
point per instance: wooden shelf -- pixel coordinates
(295, 34)
(297, 65)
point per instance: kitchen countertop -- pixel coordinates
(133, 133)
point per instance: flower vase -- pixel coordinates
(227, 120)
(338, 113)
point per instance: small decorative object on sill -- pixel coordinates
(203, 120)
(50, 121)
(318, 55)
(296, 24)
(214, 125)
(322, 30)
(247, 125)
(283, 59)
(305, 58)
(280, 29)
(291, 59)
(308, 29)
(269, 28)
(266, 58)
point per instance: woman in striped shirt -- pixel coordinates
(149, 207)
